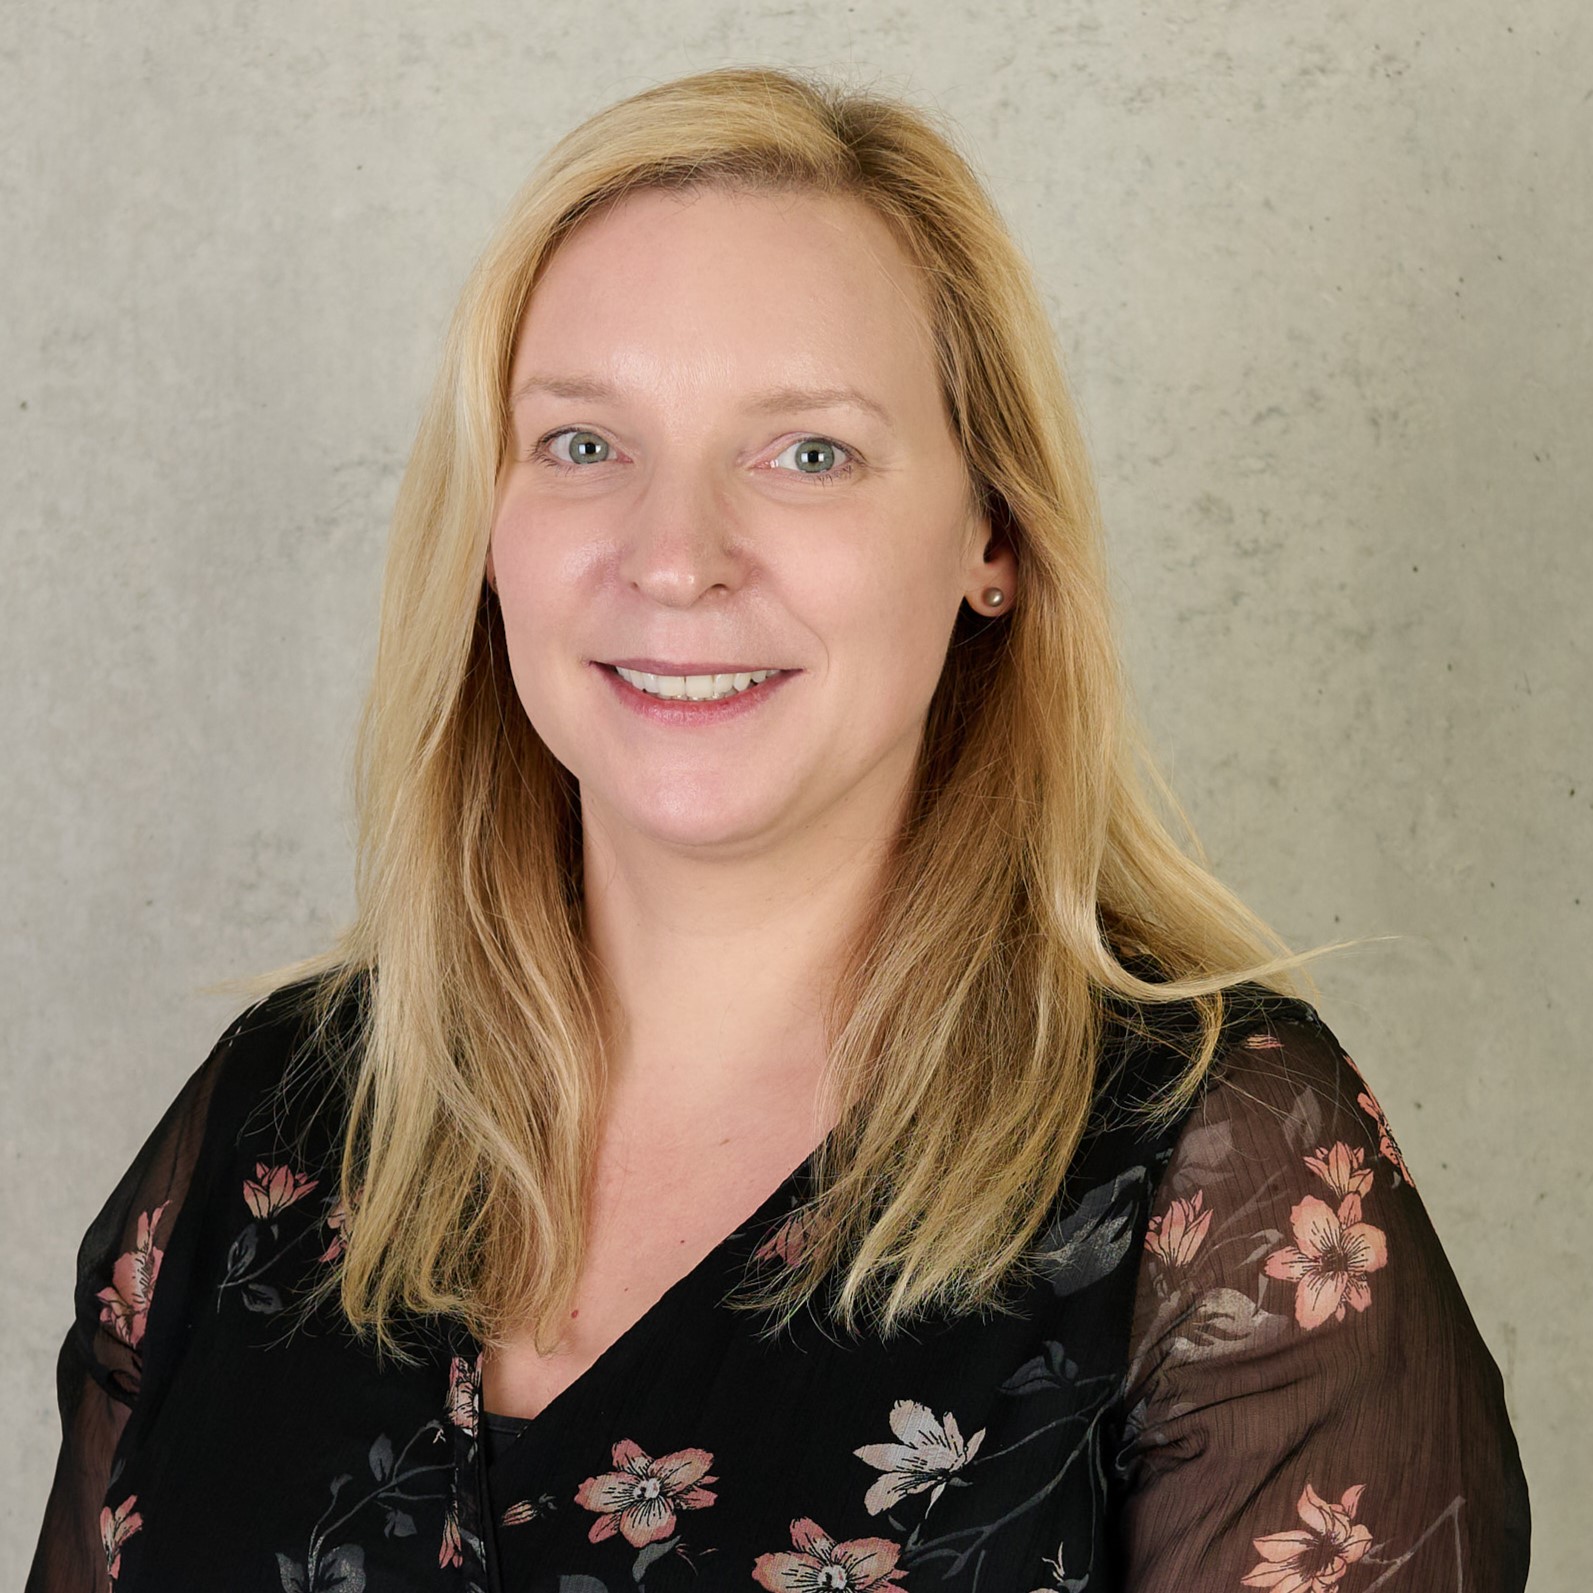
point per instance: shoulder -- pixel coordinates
(1280, 1095)
(273, 1098)
(282, 1066)
(295, 1016)
(1283, 1084)
(1283, 1186)
(1270, 1047)
(214, 1132)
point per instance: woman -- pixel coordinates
(786, 1114)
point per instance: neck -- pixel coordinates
(718, 966)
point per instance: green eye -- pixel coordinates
(586, 447)
(819, 458)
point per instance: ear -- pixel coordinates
(992, 562)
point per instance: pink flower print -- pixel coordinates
(126, 1298)
(926, 1457)
(1316, 1559)
(337, 1219)
(452, 1551)
(1342, 1169)
(821, 1562)
(786, 1243)
(1177, 1233)
(464, 1382)
(639, 1498)
(1331, 1255)
(116, 1527)
(1386, 1143)
(274, 1189)
(340, 1219)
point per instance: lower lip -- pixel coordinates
(682, 711)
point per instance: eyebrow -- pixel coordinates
(765, 401)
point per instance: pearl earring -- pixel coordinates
(994, 596)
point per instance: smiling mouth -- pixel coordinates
(717, 687)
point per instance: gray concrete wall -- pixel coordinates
(1320, 273)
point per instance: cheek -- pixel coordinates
(910, 652)
(887, 622)
(530, 599)
(523, 598)
(537, 562)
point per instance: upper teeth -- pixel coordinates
(699, 688)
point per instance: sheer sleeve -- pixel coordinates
(1312, 1407)
(122, 1301)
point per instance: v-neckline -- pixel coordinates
(613, 1352)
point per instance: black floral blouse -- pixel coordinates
(1248, 1366)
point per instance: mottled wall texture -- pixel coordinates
(1321, 277)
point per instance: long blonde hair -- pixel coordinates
(1032, 872)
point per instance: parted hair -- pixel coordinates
(1035, 893)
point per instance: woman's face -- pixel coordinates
(730, 453)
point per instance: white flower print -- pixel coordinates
(929, 1453)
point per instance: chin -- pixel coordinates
(701, 830)
(689, 816)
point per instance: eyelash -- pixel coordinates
(827, 479)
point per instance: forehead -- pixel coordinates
(712, 284)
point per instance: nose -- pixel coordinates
(680, 537)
